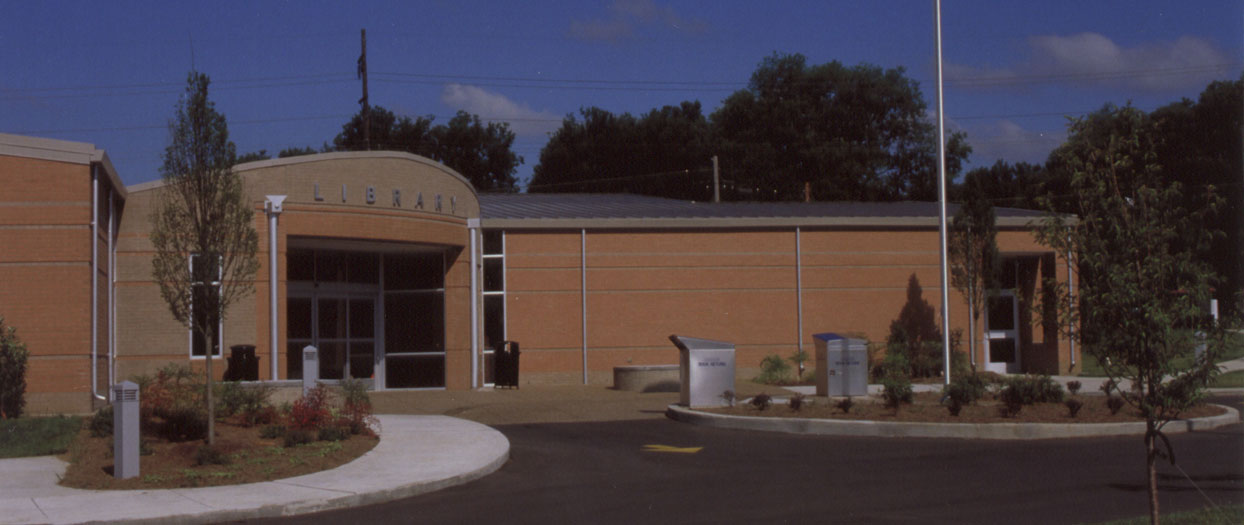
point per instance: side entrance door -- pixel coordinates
(1002, 333)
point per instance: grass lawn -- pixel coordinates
(37, 436)
(1235, 350)
(1229, 380)
(1224, 515)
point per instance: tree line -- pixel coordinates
(825, 132)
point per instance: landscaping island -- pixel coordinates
(927, 417)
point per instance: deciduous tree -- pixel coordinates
(853, 133)
(1145, 284)
(202, 229)
(481, 153)
(13, 356)
(666, 152)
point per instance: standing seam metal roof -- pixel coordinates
(520, 206)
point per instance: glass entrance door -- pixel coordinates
(346, 336)
(1002, 333)
(342, 326)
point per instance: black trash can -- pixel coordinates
(505, 364)
(243, 364)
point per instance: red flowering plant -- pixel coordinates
(311, 411)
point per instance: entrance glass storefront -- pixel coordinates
(374, 315)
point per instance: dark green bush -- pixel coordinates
(1029, 389)
(955, 406)
(184, 424)
(894, 363)
(845, 405)
(13, 356)
(356, 411)
(1073, 406)
(333, 434)
(100, 424)
(234, 398)
(796, 402)
(272, 432)
(1115, 404)
(774, 371)
(296, 436)
(965, 389)
(762, 401)
(1073, 387)
(896, 390)
(1012, 401)
(209, 455)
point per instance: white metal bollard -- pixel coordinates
(125, 430)
(310, 368)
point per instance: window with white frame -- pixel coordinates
(204, 280)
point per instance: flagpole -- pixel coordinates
(941, 197)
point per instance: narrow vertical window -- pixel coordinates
(205, 284)
(494, 298)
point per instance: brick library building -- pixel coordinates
(399, 273)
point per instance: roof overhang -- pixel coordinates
(61, 151)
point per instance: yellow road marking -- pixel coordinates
(668, 448)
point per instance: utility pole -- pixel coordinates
(362, 73)
(716, 181)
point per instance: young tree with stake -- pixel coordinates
(974, 255)
(202, 228)
(1143, 284)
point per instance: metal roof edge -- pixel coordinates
(56, 150)
(733, 223)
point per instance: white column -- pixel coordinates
(95, 283)
(273, 207)
(473, 231)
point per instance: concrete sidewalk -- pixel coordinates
(416, 455)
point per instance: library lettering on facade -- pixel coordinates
(399, 273)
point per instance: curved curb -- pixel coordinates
(866, 428)
(421, 454)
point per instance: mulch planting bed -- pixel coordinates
(249, 457)
(926, 408)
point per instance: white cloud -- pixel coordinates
(1093, 59)
(1006, 140)
(626, 17)
(495, 107)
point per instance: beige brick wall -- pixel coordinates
(152, 338)
(738, 286)
(45, 278)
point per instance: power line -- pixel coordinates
(563, 80)
(1099, 75)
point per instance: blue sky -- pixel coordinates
(283, 73)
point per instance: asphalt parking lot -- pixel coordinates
(656, 470)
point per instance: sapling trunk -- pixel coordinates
(1151, 455)
(211, 416)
